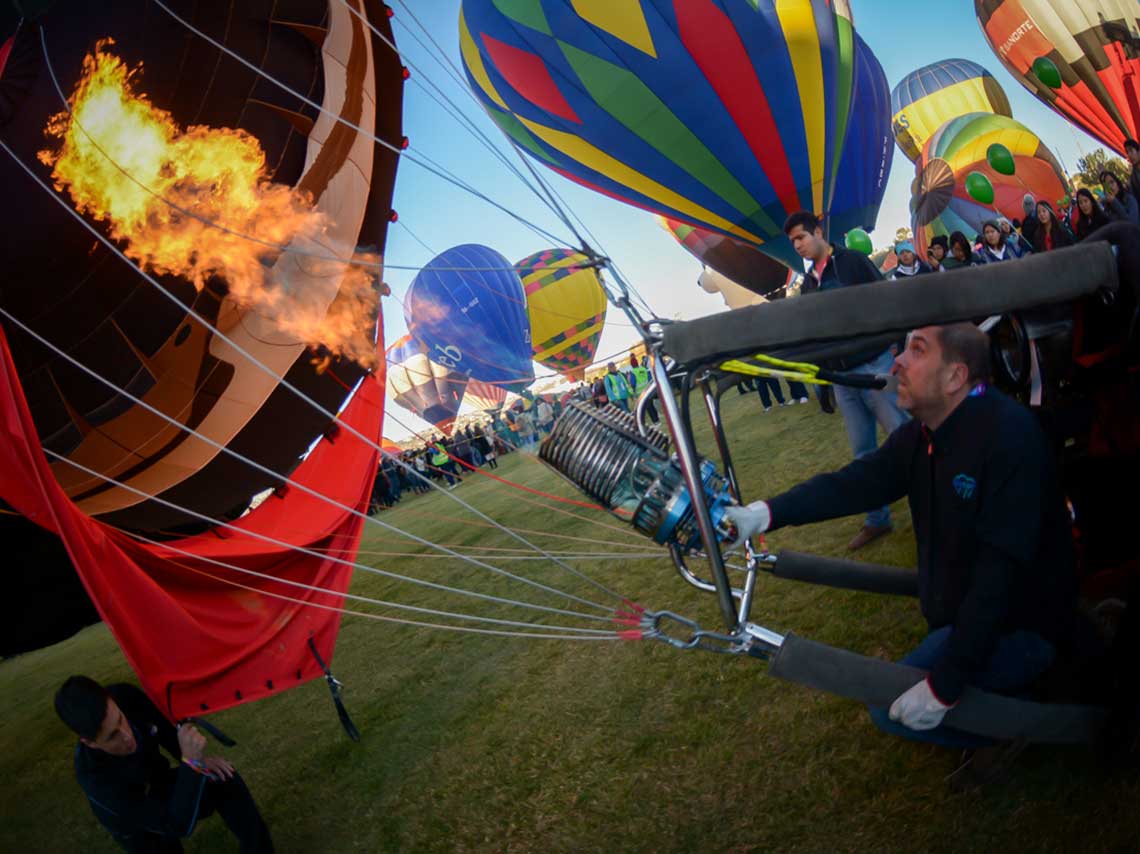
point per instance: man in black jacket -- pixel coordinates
(837, 267)
(996, 568)
(145, 804)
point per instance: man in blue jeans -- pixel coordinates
(862, 409)
(996, 566)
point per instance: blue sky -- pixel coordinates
(440, 215)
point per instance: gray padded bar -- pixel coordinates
(877, 683)
(847, 574)
(964, 294)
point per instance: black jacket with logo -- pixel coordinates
(995, 552)
(141, 793)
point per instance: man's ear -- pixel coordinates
(959, 377)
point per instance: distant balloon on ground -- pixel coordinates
(567, 309)
(930, 96)
(468, 310)
(422, 386)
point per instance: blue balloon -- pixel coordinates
(865, 164)
(467, 308)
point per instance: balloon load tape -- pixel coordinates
(632, 475)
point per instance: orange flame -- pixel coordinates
(126, 162)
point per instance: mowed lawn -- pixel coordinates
(507, 744)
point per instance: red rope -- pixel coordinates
(529, 489)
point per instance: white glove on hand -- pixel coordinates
(748, 521)
(918, 708)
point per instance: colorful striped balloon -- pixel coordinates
(486, 396)
(1080, 58)
(729, 114)
(865, 165)
(940, 203)
(567, 309)
(736, 261)
(930, 96)
(422, 386)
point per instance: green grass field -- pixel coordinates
(505, 744)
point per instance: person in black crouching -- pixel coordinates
(996, 565)
(147, 805)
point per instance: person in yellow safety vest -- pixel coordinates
(617, 387)
(443, 462)
(640, 383)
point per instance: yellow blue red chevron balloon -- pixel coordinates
(728, 115)
(567, 308)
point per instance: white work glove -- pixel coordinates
(748, 521)
(918, 708)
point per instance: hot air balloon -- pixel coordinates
(566, 306)
(729, 116)
(865, 164)
(468, 310)
(485, 396)
(1081, 59)
(422, 386)
(734, 295)
(71, 288)
(927, 98)
(738, 262)
(954, 163)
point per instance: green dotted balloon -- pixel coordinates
(858, 240)
(1047, 72)
(979, 188)
(1000, 159)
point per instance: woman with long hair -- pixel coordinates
(994, 245)
(1090, 215)
(1119, 204)
(961, 253)
(1049, 234)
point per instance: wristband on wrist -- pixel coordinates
(197, 765)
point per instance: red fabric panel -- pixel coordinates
(529, 76)
(715, 46)
(197, 642)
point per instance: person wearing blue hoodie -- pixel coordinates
(909, 264)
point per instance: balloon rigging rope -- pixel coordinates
(559, 204)
(574, 633)
(548, 200)
(218, 523)
(259, 467)
(426, 162)
(280, 380)
(445, 101)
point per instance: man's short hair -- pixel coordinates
(81, 703)
(965, 343)
(1131, 143)
(807, 219)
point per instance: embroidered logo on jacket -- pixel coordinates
(965, 485)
